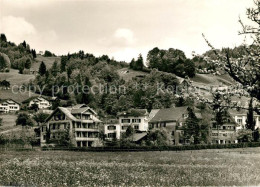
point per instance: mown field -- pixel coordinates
(197, 168)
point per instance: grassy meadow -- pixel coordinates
(197, 168)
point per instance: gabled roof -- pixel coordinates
(35, 98)
(82, 109)
(134, 112)
(169, 114)
(241, 112)
(68, 113)
(9, 101)
(78, 106)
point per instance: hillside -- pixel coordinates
(16, 80)
(48, 61)
(127, 74)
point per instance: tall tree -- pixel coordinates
(192, 128)
(42, 69)
(3, 63)
(139, 64)
(3, 38)
(55, 68)
(250, 121)
(63, 63)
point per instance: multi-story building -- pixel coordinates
(80, 121)
(172, 119)
(223, 134)
(41, 102)
(137, 118)
(9, 105)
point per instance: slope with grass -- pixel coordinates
(16, 80)
(8, 121)
(127, 74)
(48, 61)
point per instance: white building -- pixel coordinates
(40, 102)
(241, 116)
(137, 118)
(9, 105)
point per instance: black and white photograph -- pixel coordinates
(129, 93)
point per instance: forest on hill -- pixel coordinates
(85, 71)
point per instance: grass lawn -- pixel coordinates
(197, 168)
(8, 121)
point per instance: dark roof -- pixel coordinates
(8, 101)
(169, 114)
(241, 112)
(134, 112)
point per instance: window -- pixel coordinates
(136, 127)
(224, 134)
(239, 121)
(214, 134)
(136, 120)
(111, 127)
(111, 135)
(125, 120)
(44, 137)
(163, 124)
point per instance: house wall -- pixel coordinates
(42, 104)
(142, 125)
(116, 131)
(5, 108)
(241, 121)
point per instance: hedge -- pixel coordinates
(156, 148)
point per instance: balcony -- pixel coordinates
(86, 139)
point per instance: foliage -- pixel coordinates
(220, 106)
(42, 69)
(48, 54)
(3, 38)
(138, 64)
(3, 63)
(245, 135)
(245, 69)
(172, 61)
(40, 117)
(20, 56)
(158, 137)
(192, 127)
(24, 120)
(5, 83)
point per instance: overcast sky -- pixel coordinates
(122, 28)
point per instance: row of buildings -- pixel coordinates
(12, 106)
(84, 125)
